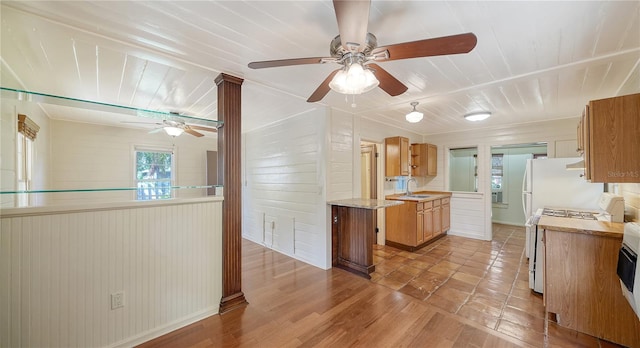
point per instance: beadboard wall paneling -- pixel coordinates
(58, 271)
(97, 156)
(285, 202)
(468, 215)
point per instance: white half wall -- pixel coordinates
(59, 268)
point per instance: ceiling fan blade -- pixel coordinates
(287, 62)
(323, 89)
(192, 132)
(156, 130)
(454, 44)
(388, 83)
(208, 129)
(353, 20)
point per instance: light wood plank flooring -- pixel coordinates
(456, 292)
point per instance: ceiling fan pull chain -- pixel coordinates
(353, 101)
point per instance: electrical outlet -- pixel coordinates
(117, 300)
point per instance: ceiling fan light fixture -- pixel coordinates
(477, 116)
(354, 79)
(414, 116)
(173, 131)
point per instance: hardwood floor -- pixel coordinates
(455, 293)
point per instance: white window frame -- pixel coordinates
(172, 181)
(24, 169)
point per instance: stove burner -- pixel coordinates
(574, 214)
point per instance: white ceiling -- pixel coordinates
(534, 60)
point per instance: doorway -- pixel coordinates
(508, 163)
(368, 163)
(372, 181)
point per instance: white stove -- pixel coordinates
(612, 210)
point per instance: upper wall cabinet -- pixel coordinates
(424, 159)
(396, 156)
(609, 136)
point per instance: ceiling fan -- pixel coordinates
(175, 128)
(357, 51)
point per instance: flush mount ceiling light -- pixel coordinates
(354, 78)
(477, 116)
(173, 131)
(414, 116)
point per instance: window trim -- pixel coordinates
(25, 148)
(151, 148)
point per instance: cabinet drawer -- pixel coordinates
(436, 202)
(446, 200)
(419, 206)
(427, 205)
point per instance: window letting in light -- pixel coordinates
(27, 133)
(154, 173)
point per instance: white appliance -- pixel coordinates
(547, 183)
(612, 207)
(628, 269)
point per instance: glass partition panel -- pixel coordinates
(58, 150)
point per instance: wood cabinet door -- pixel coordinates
(614, 126)
(392, 156)
(400, 223)
(396, 151)
(446, 216)
(404, 156)
(419, 227)
(586, 143)
(437, 218)
(427, 222)
(432, 160)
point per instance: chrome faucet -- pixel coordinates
(408, 181)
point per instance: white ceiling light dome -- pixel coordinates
(415, 115)
(173, 131)
(477, 116)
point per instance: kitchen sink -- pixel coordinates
(420, 196)
(416, 197)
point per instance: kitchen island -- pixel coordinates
(353, 233)
(424, 218)
(581, 285)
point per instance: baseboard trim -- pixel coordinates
(165, 329)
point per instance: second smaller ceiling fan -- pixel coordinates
(176, 128)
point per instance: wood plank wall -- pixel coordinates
(284, 195)
(58, 271)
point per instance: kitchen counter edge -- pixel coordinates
(433, 195)
(592, 227)
(365, 203)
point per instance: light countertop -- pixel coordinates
(433, 195)
(365, 203)
(593, 227)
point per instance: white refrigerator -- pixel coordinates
(547, 183)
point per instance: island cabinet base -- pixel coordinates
(353, 234)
